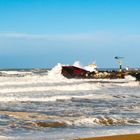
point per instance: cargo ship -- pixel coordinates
(91, 72)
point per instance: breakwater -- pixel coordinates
(75, 72)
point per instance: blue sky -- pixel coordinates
(42, 33)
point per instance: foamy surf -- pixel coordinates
(43, 104)
(101, 121)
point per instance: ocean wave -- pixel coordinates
(103, 120)
(44, 99)
(72, 87)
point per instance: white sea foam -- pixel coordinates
(16, 72)
(54, 81)
(130, 78)
(44, 99)
(98, 104)
(55, 73)
(91, 67)
(101, 120)
(74, 87)
(77, 64)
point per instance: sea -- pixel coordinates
(42, 104)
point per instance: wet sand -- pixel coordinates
(116, 137)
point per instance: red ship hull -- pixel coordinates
(75, 72)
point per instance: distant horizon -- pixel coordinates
(30, 68)
(40, 34)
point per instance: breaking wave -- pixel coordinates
(39, 100)
(55, 73)
(46, 87)
(103, 120)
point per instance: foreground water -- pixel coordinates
(41, 104)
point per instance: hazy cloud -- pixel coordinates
(98, 37)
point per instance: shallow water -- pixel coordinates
(45, 105)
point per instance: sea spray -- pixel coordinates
(36, 106)
(55, 73)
